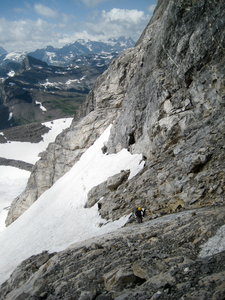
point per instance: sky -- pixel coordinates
(35, 24)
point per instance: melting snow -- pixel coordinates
(41, 106)
(72, 81)
(58, 218)
(11, 73)
(10, 116)
(28, 152)
(12, 184)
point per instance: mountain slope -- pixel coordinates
(69, 54)
(165, 101)
(84, 131)
(155, 260)
(30, 86)
(38, 93)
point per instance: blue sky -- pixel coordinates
(29, 25)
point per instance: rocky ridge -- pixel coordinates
(166, 99)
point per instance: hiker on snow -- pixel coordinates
(139, 213)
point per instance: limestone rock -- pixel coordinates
(114, 181)
(96, 193)
(99, 192)
(175, 118)
(120, 278)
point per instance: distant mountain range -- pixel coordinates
(74, 53)
(51, 83)
(70, 53)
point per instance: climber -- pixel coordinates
(139, 213)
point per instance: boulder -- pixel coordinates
(114, 181)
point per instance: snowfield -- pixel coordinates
(58, 218)
(12, 180)
(28, 152)
(12, 184)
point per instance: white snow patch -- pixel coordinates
(51, 84)
(28, 152)
(10, 116)
(15, 56)
(215, 244)
(51, 54)
(11, 73)
(58, 218)
(59, 72)
(12, 183)
(41, 106)
(70, 81)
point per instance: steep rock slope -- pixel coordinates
(166, 97)
(173, 112)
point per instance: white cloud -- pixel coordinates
(66, 18)
(23, 9)
(151, 8)
(125, 15)
(118, 22)
(45, 11)
(28, 35)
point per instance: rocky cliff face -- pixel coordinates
(166, 97)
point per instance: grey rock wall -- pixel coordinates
(173, 112)
(180, 80)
